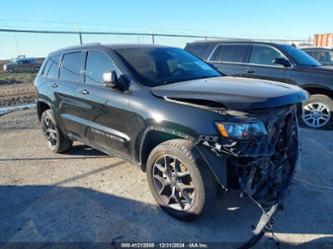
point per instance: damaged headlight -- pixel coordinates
(241, 130)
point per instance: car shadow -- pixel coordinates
(84, 150)
(77, 151)
(47, 213)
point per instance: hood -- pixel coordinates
(233, 93)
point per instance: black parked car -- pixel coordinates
(21, 63)
(323, 55)
(165, 110)
(278, 62)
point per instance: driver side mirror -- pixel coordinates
(282, 61)
(111, 79)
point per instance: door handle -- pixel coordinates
(249, 71)
(84, 92)
(54, 85)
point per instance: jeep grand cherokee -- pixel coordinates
(189, 128)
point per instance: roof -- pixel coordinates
(317, 48)
(109, 46)
(240, 41)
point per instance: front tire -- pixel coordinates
(317, 112)
(179, 180)
(57, 141)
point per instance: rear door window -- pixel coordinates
(229, 53)
(71, 66)
(201, 50)
(264, 55)
(97, 64)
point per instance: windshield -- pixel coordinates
(158, 66)
(300, 56)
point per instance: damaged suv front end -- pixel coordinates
(262, 149)
(256, 147)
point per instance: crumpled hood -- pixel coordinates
(234, 93)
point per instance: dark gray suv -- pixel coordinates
(277, 62)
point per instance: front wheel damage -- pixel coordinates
(263, 166)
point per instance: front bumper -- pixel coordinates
(262, 167)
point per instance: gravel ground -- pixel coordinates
(87, 196)
(16, 88)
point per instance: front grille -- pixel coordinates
(265, 176)
(264, 165)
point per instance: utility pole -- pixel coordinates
(80, 35)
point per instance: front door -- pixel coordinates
(104, 109)
(260, 65)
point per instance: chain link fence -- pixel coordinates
(23, 51)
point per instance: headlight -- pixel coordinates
(241, 130)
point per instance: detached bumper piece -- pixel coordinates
(264, 225)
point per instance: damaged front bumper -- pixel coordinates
(262, 167)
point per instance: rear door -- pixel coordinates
(69, 105)
(260, 64)
(229, 58)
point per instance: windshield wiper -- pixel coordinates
(169, 81)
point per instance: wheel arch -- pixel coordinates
(42, 106)
(156, 135)
(319, 90)
(152, 137)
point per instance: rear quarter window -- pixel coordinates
(50, 69)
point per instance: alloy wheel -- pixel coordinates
(316, 114)
(173, 183)
(50, 132)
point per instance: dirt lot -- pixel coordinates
(86, 196)
(16, 88)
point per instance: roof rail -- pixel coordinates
(91, 43)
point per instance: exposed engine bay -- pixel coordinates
(262, 166)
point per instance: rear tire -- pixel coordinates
(189, 186)
(57, 141)
(317, 112)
